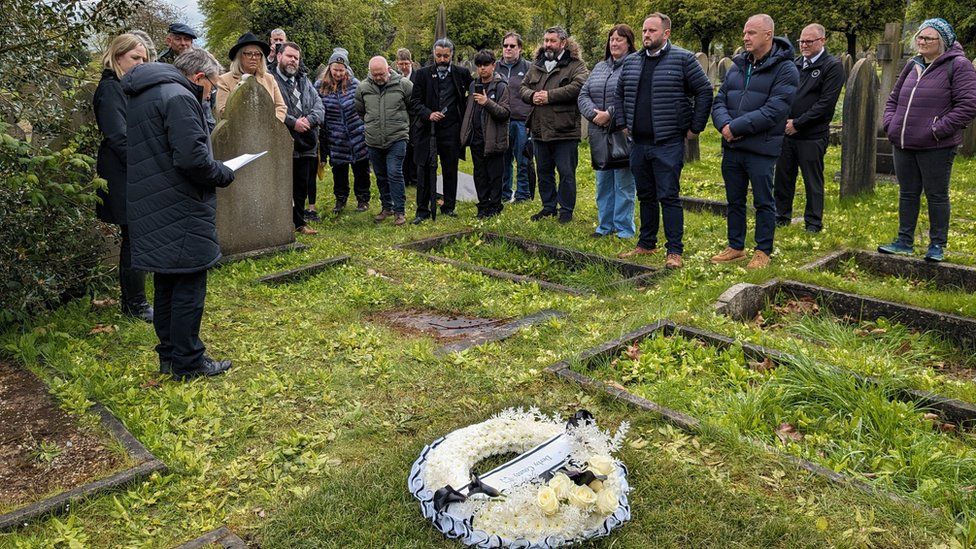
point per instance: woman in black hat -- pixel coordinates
(247, 61)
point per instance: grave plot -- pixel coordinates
(745, 301)
(456, 332)
(266, 252)
(824, 420)
(939, 276)
(49, 459)
(520, 260)
(302, 272)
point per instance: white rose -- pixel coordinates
(606, 501)
(562, 485)
(582, 496)
(547, 501)
(596, 486)
(601, 465)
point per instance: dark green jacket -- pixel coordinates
(559, 119)
(385, 110)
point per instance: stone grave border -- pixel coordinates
(145, 465)
(635, 272)
(685, 422)
(743, 301)
(264, 252)
(499, 333)
(303, 271)
(944, 275)
(223, 535)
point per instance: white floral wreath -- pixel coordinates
(583, 495)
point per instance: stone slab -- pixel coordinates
(499, 333)
(943, 275)
(634, 272)
(609, 351)
(302, 272)
(743, 301)
(145, 465)
(222, 536)
(466, 191)
(858, 143)
(258, 254)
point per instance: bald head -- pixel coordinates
(379, 70)
(757, 35)
(812, 40)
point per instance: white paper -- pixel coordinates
(243, 160)
(543, 458)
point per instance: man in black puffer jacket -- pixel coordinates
(663, 97)
(751, 110)
(172, 179)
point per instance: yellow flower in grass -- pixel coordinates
(562, 485)
(601, 465)
(547, 501)
(582, 497)
(606, 501)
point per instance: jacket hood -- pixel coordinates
(150, 75)
(782, 51)
(572, 48)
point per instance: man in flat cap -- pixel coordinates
(180, 39)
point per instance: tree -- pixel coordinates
(706, 20)
(857, 18)
(960, 13)
(154, 18)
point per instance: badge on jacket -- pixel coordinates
(815, 73)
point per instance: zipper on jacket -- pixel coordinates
(911, 96)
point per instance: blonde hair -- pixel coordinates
(119, 46)
(235, 65)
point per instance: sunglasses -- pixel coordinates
(510, 46)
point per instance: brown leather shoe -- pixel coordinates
(673, 261)
(383, 215)
(400, 219)
(305, 229)
(727, 255)
(637, 251)
(760, 260)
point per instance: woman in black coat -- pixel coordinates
(123, 53)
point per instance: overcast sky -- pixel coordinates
(192, 12)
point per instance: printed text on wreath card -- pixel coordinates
(529, 465)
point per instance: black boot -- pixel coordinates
(133, 285)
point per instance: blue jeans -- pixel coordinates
(615, 202)
(738, 169)
(517, 137)
(388, 167)
(657, 173)
(550, 157)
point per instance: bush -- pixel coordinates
(50, 248)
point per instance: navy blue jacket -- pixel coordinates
(756, 111)
(343, 133)
(681, 98)
(109, 107)
(172, 177)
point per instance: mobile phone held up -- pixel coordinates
(479, 88)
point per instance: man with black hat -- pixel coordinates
(180, 39)
(246, 62)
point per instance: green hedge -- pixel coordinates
(49, 247)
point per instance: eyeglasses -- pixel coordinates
(251, 54)
(212, 84)
(808, 42)
(926, 39)
(510, 46)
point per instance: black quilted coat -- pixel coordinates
(172, 175)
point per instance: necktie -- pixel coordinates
(295, 92)
(806, 63)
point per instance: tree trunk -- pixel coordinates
(851, 44)
(706, 42)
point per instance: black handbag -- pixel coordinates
(610, 149)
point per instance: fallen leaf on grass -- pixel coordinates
(947, 427)
(764, 366)
(151, 384)
(803, 305)
(103, 303)
(905, 347)
(787, 432)
(758, 320)
(614, 362)
(633, 352)
(259, 511)
(637, 443)
(103, 329)
(930, 417)
(821, 524)
(615, 385)
(879, 331)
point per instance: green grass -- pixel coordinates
(308, 440)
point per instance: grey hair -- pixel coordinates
(558, 31)
(820, 30)
(146, 41)
(198, 60)
(277, 31)
(443, 43)
(766, 20)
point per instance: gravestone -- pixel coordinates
(890, 57)
(254, 212)
(858, 146)
(692, 146)
(738, 51)
(968, 147)
(724, 64)
(848, 63)
(712, 73)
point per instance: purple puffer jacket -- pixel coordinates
(924, 111)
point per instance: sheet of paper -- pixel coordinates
(243, 160)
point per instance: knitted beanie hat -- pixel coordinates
(941, 26)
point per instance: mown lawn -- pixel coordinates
(307, 442)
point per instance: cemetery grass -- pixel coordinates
(307, 441)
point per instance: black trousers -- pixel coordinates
(807, 157)
(489, 175)
(360, 186)
(448, 152)
(409, 166)
(304, 171)
(178, 304)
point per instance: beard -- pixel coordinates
(654, 45)
(289, 70)
(552, 53)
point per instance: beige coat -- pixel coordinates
(229, 81)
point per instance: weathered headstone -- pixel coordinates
(968, 147)
(724, 64)
(712, 73)
(858, 145)
(254, 213)
(738, 51)
(848, 63)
